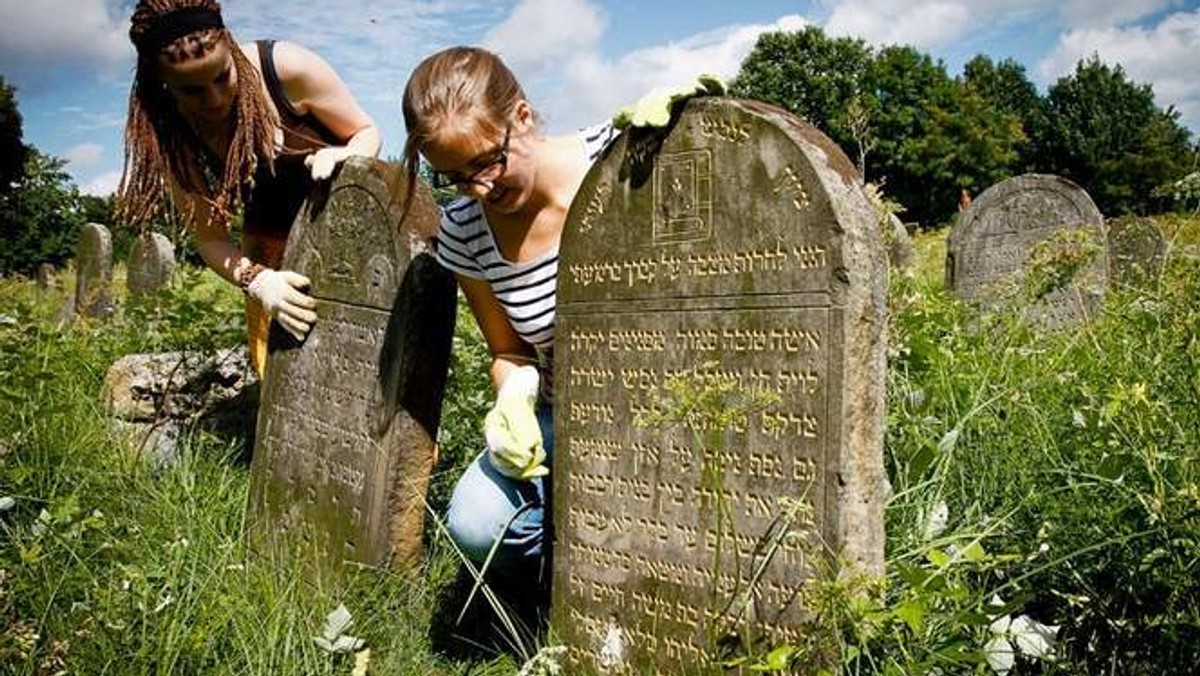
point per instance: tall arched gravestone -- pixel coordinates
(741, 250)
(992, 250)
(151, 263)
(348, 419)
(93, 274)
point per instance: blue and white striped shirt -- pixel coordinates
(525, 290)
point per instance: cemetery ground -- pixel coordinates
(1045, 508)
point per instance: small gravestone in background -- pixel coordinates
(93, 271)
(1136, 251)
(1034, 239)
(46, 278)
(737, 251)
(899, 246)
(347, 421)
(151, 262)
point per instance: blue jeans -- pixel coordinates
(485, 502)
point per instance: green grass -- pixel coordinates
(1066, 464)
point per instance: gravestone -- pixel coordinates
(151, 262)
(93, 271)
(734, 250)
(1136, 251)
(1034, 239)
(46, 277)
(348, 419)
(899, 246)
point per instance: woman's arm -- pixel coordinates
(508, 349)
(315, 88)
(212, 235)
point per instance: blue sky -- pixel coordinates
(579, 59)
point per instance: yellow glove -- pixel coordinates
(654, 109)
(514, 438)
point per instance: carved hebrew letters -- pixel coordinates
(712, 273)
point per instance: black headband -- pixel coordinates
(174, 25)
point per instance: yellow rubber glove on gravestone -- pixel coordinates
(514, 438)
(654, 109)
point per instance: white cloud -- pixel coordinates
(930, 23)
(84, 155)
(103, 185)
(1093, 14)
(589, 87)
(923, 23)
(1163, 56)
(38, 39)
(540, 34)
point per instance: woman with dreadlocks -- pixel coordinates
(221, 126)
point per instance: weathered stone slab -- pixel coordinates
(739, 253)
(156, 398)
(1137, 251)
(93, 271)
(899, 246)
(348, 419)
(46, 276)
(1033, 239)
(151, 262)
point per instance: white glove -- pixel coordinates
(324, 161)
(279, 292)
(514, 438)
(655, 108)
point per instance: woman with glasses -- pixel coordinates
(467, 115)
(220, 126)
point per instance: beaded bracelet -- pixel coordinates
(245, 277)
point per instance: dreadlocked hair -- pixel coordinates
(160, 144)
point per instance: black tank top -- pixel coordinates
(277, 195)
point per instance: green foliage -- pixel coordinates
(1106, 134)
(925, 136)
(1006, 88)
(914, 130)
(39, 219)
(1050, 476)
(13, 151)
(808, 73)
(1070, 454)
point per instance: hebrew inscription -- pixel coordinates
(991, 252)
(726, 270)
(347, 419)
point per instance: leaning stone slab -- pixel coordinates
(1035, 240)
(157, 398)
(93, 277)
(348, 419)
(737, 254)
(151, 262)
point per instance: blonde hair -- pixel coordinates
(161, 145)
(465, 86)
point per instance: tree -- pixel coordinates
(40, 217)
(813, 76)
(13, 152)
(1007, 88)
(1106, 133)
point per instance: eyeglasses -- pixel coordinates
(490, 169)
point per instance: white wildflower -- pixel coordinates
(333, 638)
(1021, 634)
(933, 521)
(7, 503)
(362, 658)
